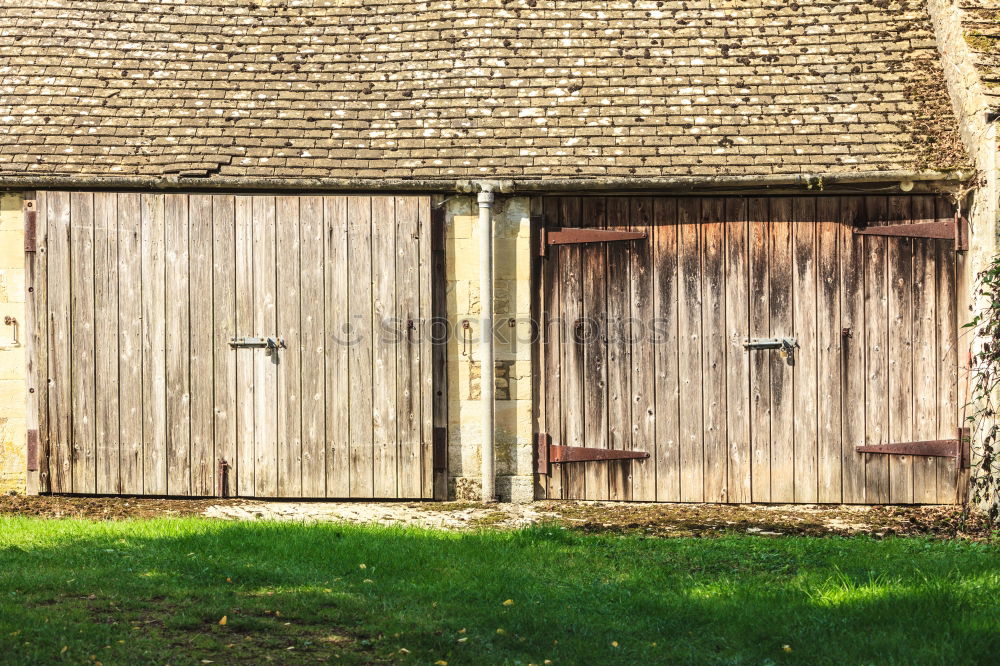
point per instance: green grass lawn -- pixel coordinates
(155, 592)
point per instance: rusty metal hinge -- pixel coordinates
(954, 230)
(958, 448)
(32, 450)
(548, 454)
(30, 225)
(574, 236)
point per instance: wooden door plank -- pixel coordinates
(758, 213)
(37, 315)
(427, 382)
(713, 323)
(60, 389)
(829, 350)
(876, 353)
(106, 443)
(594, 344)
(361, 441)
(552, 330)
(244, 476)
(265, 365)
(312, 348)
(82, 349)
(641, 360)
(925, 326)
(619, 366)
(385, 451)
(782, 387)
(154, 369)
(900, 258)
(289, 327)
(571, 264)
(805, 368)
(337, 332)
(129, 326)
(950, 399)
(689, 281)
(737, 298)
(665, 346)
(176, 237)
(410, 345)
(852, 359)
(223, 328)
(203, 460)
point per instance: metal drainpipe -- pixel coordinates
(486, 366)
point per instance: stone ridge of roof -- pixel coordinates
(456, 89)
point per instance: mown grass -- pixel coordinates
(155, 592)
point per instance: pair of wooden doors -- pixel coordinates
(148, 385)
(671, 345)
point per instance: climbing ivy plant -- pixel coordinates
(984, 403)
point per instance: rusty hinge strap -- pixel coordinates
(574, 236)
(548, 454)
(439, 450)
(955, 230)
(32, 450)
(542, 442)
(939, 448)
(30, 225)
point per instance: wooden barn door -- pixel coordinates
(746, 348)
(267, 346)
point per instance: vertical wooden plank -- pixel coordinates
(574, 417)
(782, 386)
(852, 358)
(737, 299)
(106, 443)
(805, 484)
(900, 258)
(950, 398)
(665, 348)
(154, 370)
(594, 336)
(337, 331)
(552, 332)
(57, 219)
(828, 350)
(925, 327)
(312, 347)
(425, 364)
(265, 365)
(689, 281)
(82, 347)
(223, 329)
(37, 314)
(876, 356)
(619, 335)
(129, 360)
(203, 465)
(289, 327)
(361, 391)
(245, 468)
(385, 453)
(410, 345)
(714, 343)
(436, 331)
(641, 358)
(178, 313)
(758, 213)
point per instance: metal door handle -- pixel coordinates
(786, 346)
(267, 343)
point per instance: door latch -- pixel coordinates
(269, 344)
(786, 346)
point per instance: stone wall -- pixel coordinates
(12, 362)
(512, 312)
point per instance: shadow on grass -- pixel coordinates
(135, 592)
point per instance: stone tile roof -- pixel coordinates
(469, 88)
(981, 23)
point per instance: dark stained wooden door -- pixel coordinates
(642, 348)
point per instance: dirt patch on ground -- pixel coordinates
(660, 520)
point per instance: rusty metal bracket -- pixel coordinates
(958, 448)
(548, 454)
(954, 230)
(575, 236)
(30, 225)
(223, 489)
(32, 457)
